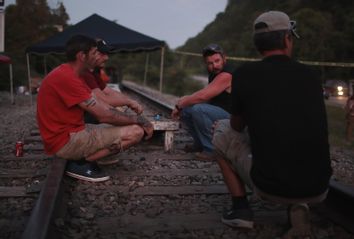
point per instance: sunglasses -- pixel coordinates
(212, 48)
(293, 29)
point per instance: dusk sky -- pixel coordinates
(173, 21)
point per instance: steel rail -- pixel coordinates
(41, 223)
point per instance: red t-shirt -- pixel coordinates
(93, 81)
(58, 113)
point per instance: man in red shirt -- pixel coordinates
(96, 82)
(61, 102)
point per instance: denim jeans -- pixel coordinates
(199, 119)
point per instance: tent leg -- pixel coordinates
(29, 78)
(161, 67)
(11, 85)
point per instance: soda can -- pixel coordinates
(157, 117)
(19, 149)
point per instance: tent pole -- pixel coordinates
(161, 67)
(29, 78)
(11, 85)
(146, 67)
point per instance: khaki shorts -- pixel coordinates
(90, 140)
(234, 147)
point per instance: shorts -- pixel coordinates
(90, 140)
(234, 147)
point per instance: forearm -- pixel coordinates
(116, 117)
(193, 99)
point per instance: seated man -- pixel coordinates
(201, 109)
(93, 79)
(61, 102)
(286, 158)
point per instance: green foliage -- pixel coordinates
(326, 29)
(26, 23)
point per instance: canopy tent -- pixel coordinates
(7, 60)
(122, 38)
(95, 26)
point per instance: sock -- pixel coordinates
(240, 202)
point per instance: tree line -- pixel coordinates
(326, 29)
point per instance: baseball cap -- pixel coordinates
(274, 21)
(212, 48)
(104, 48)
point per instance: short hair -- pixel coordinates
(267, 41)
(78, 43)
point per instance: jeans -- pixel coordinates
(199, 119)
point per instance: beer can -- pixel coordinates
(19, 149)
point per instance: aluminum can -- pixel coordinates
(19, 149)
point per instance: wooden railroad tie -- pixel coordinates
(169, 127)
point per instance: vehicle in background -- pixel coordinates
(335, 88)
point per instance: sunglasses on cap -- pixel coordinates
(212, 48)
(293, 29)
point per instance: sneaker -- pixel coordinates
(204, 156)
(299, 220)
(242, 218)
(88, 171)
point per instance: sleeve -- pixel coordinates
(100, 83)
(73, 90)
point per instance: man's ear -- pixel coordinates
(80, 56)
(287, 40)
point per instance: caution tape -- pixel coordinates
(314, 63)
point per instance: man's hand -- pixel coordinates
(146, 125)
(175, 114)
(135, 106)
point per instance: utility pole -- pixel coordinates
(2, 26)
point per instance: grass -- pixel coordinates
(336, 127)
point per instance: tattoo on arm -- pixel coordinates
(117, 112)
(143, 121)
(90, 102)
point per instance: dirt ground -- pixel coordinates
(16, 120)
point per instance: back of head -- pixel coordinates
(78, 43)
(270, 28)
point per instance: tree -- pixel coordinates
(28, 22)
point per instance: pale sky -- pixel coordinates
(173, 21)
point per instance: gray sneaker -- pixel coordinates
(242, 218)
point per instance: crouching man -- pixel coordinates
(286, 157)
(62, 100)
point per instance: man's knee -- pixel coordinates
(134, 133)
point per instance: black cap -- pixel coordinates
(212, 49)
(104, 48)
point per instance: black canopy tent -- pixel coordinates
(122, 38)
(7, 60)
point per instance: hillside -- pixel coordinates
(326, 29)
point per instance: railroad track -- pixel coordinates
(158, 194)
